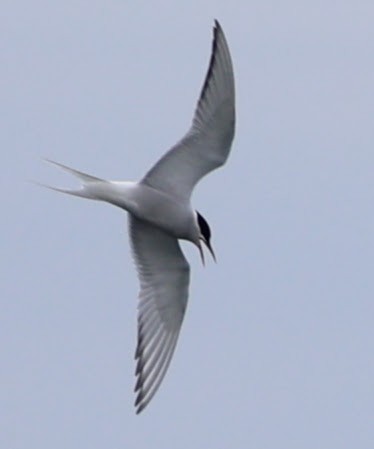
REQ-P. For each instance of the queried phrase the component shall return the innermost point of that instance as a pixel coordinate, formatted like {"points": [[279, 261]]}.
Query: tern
{"points": [[160, 214]]}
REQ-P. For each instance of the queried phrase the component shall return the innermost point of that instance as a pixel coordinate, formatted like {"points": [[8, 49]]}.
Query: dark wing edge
{"points": [[219, 57]]}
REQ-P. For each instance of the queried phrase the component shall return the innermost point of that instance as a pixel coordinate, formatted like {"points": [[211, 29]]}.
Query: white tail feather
{"points": [[88, 187]]}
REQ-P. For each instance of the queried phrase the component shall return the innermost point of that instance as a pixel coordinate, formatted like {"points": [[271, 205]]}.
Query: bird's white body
{"points": [[160, 213], [158, 208]]}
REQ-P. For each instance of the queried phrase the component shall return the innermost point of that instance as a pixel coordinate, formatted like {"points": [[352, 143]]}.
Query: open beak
{"points": [[208, 245], [200, 246]]}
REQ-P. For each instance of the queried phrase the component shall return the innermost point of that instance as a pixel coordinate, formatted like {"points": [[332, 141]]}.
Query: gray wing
{"points": [[207, 144], [164, 275]]}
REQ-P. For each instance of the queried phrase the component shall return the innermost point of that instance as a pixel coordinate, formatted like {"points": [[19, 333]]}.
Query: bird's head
{"points": [[204, 236]]}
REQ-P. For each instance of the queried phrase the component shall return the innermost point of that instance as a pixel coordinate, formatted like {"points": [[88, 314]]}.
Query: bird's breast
{"points": [[166, 212]]}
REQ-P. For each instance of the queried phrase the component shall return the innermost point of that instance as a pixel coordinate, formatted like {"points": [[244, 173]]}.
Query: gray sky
{"points": [[276, 350]]}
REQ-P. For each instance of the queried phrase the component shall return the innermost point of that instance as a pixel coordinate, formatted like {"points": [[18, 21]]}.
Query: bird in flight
{"points": [[160, 213]]}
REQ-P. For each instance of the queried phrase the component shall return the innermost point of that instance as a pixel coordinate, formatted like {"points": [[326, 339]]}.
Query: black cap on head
{"points": [[205, 232], [204, 227]]}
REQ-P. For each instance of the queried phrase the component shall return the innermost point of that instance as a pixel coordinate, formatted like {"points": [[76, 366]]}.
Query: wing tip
{"points": [[212, 60]]}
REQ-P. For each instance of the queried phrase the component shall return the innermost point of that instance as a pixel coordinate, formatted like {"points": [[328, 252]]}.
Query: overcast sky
{"points": [[277, 346]]}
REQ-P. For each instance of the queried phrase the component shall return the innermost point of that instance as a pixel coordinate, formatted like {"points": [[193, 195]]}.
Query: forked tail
{"points": [[90, 185]]}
